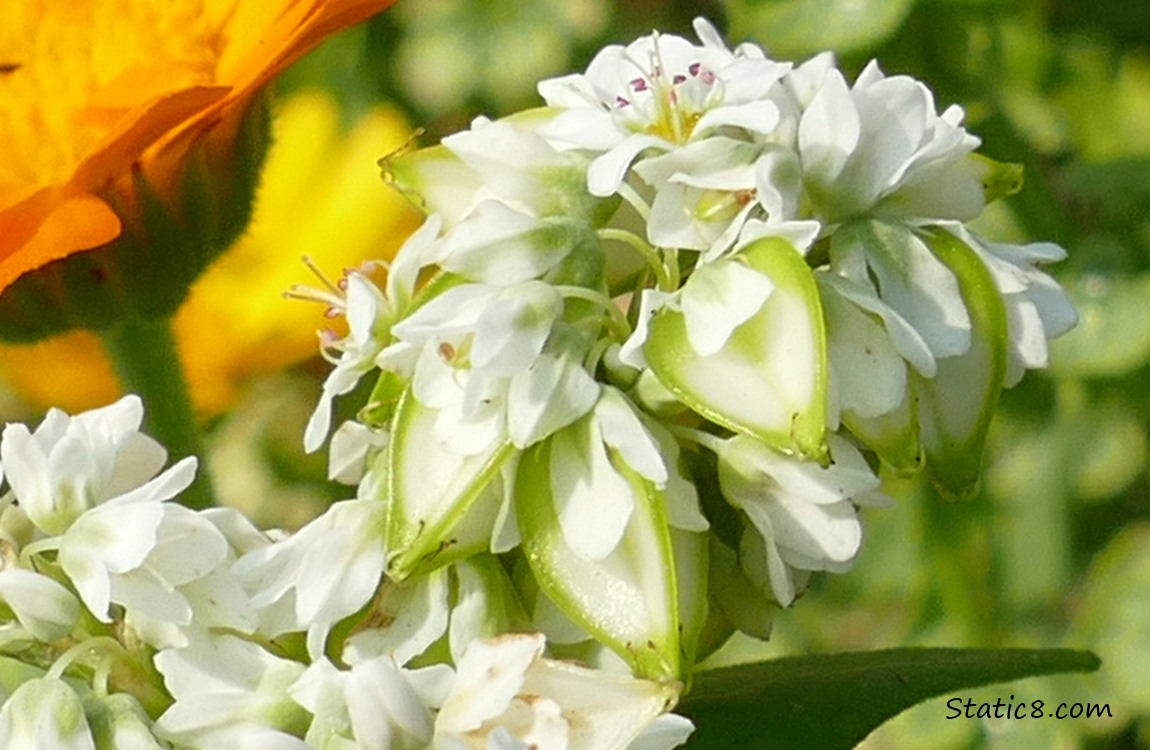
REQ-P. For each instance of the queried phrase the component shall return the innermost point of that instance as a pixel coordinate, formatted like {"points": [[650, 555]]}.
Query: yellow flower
{"points": [[97, 93], [321, 196]]}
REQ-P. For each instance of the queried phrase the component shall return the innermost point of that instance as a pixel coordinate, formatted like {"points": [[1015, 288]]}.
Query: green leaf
{"points": [[833, 701], [769, 380], [798, 28]]}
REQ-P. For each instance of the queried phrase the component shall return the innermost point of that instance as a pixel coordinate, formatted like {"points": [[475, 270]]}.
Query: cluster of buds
{"points": [[633, 380]]}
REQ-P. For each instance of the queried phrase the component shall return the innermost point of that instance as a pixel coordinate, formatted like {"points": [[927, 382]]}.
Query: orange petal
{"points": [[46, 228], [297, 31], [140, 130]]}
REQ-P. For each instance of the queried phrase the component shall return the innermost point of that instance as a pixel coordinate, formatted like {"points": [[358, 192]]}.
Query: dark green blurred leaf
{"points": [[831, 701], [1116, 191], [798, 28]]}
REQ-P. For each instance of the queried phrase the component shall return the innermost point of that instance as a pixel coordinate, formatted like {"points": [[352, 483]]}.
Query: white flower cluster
{"points": [[130, 621], [654, 339], [631, 383]]}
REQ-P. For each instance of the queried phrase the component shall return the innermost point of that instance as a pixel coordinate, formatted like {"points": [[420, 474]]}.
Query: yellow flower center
{"points": [[70, 70], [674, 123]]}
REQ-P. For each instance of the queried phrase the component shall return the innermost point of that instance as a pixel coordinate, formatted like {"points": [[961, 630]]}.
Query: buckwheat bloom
{"points": [[743, 343], [230, 693], [376, 705], [506, 161], [119, 722], [879, 148], [594, 499], [136, 550], [324, 572], [896, 275], [367, 335], [69, 465], [351, 445], [496, 362], [370, 313], [44, 713], [506, 695], [43, 607], [1037, 308], [659, 92], [804, 513], [704, 193]]}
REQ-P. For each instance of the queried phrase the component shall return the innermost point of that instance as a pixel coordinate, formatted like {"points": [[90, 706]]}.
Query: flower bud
{"points": [[44, 713]]}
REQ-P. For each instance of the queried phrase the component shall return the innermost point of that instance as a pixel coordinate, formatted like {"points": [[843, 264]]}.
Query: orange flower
{"points": [[320, 195], [97, 93]]}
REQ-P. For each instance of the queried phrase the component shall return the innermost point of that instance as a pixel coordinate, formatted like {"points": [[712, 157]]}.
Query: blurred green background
{"points": [[1055, 551]]}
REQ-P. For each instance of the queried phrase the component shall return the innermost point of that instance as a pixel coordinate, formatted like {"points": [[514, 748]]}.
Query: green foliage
{"points": [[833, 701], [799, 28]]}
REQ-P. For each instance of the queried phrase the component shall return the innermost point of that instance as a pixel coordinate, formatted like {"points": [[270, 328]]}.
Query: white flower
{"points": [[716, 299], [46, 609], [868, 349], [136, 550], [376, 705], [921, 303], [71, 464], [496, 362], [324, 572], [350, 446], [804, 513], [501, 244], [1037, 308], [880, 148], [659, 92], [708, 192], [369, 316], [411, 616], [593, 499], [366, 338], [230, 693], [505, 162], [506, 695], [217, 599], [719, 295], [44, 713], [522, 169], [703, 193]]}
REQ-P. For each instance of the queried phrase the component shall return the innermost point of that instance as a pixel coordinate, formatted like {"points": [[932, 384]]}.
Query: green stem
{"points": [[650, 254], [616, 320], [146, 360]]}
